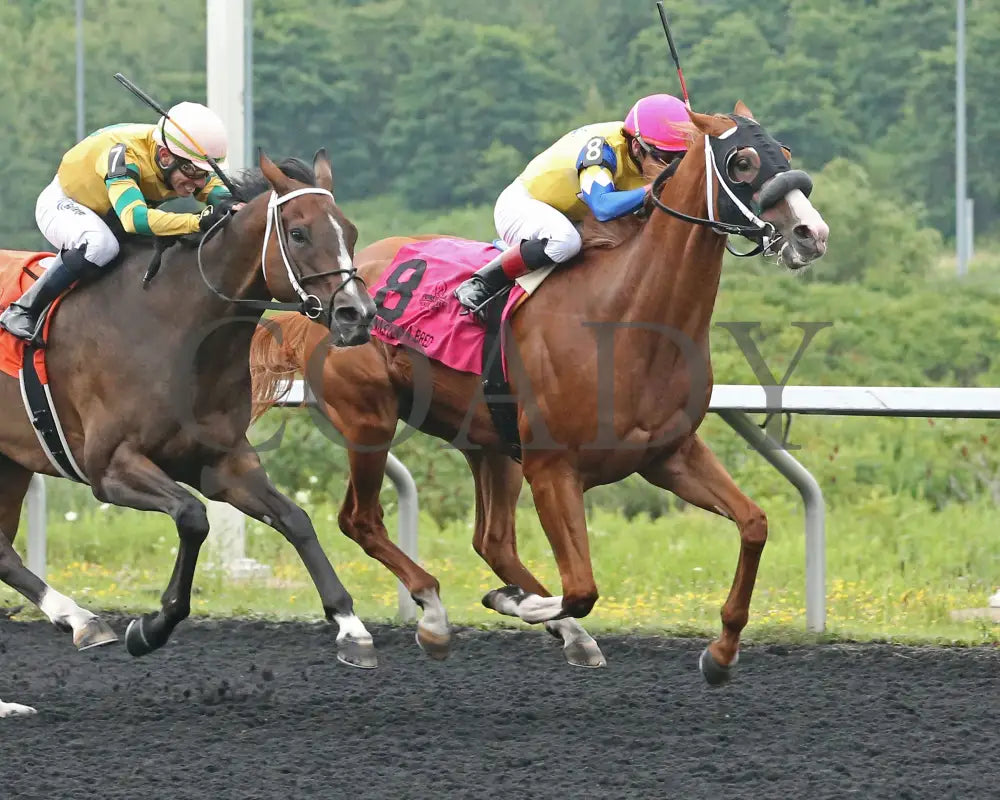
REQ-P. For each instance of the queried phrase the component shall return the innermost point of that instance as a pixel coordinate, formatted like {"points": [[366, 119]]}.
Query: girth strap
{"points": [[42, 413], [496, 389]]}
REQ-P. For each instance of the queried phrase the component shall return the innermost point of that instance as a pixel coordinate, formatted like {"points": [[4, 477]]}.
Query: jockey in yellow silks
{"points": [[595, 169], [128, 169]]}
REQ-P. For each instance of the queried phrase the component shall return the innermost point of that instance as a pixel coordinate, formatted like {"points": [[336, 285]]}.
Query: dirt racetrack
{"points": [[250, 710]]}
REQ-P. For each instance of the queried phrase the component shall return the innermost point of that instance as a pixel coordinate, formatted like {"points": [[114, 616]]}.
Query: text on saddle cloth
{"points": [[417, 309]]}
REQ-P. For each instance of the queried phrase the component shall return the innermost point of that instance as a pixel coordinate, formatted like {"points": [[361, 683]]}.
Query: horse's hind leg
{"points": [[361, 519], [130, 479], [88, 630], [695, 475], [498, 484], [239, 479]]}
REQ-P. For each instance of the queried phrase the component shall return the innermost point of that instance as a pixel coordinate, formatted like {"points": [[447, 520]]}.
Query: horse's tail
{"points": [[276, 355]]}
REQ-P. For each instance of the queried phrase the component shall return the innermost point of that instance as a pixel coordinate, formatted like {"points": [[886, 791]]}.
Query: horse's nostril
{"points": [[812, 234], [346, 315], [811, 238]]}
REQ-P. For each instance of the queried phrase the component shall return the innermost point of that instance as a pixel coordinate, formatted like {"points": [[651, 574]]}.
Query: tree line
{"points": [[440, 103]]}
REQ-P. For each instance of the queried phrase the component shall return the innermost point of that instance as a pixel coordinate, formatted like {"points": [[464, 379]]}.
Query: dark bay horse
{"points": [[612, 377], [152, 386]]}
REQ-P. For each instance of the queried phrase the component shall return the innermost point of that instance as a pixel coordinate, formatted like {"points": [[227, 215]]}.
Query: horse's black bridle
{"points": [[773, 181]]}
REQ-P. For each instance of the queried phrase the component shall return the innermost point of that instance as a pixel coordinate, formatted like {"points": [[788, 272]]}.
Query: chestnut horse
{"points": [[588, 412], [152, 387]]}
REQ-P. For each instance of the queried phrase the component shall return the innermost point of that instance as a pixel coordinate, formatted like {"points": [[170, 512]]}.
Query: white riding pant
{"points": [[519, 216], [68, 225]]}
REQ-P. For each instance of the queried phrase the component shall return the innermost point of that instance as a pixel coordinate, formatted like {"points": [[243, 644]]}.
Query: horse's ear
{"points": [[742, 110], [711, 124], [279, 181], [323, 170]]}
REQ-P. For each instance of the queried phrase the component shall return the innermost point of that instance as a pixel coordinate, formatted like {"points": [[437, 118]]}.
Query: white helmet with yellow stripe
{"points": [[192, 132]]}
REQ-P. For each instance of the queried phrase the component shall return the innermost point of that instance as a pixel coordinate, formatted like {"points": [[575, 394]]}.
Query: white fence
{"points": [[733, 403]]}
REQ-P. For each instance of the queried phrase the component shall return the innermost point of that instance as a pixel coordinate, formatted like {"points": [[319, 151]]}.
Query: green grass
{"points": [[895, 570]]}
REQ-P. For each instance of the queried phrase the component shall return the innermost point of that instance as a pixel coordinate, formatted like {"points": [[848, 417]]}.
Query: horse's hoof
{"points": [[585, 654], [135, 639], [95, 633], [357, 654], [435, 645], [715, 673]]}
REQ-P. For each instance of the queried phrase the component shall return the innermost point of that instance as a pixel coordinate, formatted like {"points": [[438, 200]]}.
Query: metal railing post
{"points": [[812, 497], [36, 526], [406, 490]]}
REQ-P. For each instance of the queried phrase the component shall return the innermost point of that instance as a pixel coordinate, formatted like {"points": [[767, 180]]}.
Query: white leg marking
{"points": [[15, 710], [534, 608], [62, 610], [435, 618], [504, 604], [581, 648], [351, 627], [570, 630]]}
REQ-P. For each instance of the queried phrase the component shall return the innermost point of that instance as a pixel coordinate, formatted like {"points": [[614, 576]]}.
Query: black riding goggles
{"points": [[663, 156], [189, 170]]}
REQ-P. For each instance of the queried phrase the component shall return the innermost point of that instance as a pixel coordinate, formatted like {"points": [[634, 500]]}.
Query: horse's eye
{"points": [[298, 235], [743, 166]]}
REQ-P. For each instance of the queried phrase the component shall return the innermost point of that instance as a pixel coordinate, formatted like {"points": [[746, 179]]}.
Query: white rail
{"points": [[734, 402]]}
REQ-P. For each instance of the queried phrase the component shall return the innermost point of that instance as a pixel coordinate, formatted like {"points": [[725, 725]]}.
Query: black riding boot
{"points": [[492, 278], [21, 316]]}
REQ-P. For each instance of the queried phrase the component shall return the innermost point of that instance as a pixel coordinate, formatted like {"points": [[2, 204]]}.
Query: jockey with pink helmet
{"points": [[656, 123], [597, 169], [123, 171]]}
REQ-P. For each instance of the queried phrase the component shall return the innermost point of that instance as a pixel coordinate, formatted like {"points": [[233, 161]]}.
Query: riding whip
{"points": [[673, 52], [149, 101]]}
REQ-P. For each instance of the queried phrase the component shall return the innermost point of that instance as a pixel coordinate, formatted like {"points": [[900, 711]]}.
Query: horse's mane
{"points": [[611, 233], [251, 182]]}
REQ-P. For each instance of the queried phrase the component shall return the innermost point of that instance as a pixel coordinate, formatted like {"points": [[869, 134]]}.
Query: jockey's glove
{"points": [[213, 214]]}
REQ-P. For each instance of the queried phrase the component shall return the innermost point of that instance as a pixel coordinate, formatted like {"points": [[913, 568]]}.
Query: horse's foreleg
{"points": [[240, 480], [88, 630], [498, 484], [695, 475], [130, 479], [361, 519], [558, 494]]}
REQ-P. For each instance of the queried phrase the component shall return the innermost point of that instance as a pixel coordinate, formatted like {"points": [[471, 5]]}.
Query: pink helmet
{"points": [[191, 127], [655, 120]]}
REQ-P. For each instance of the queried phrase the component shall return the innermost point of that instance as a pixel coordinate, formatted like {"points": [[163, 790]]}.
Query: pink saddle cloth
{"points": [[417, 307]]}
